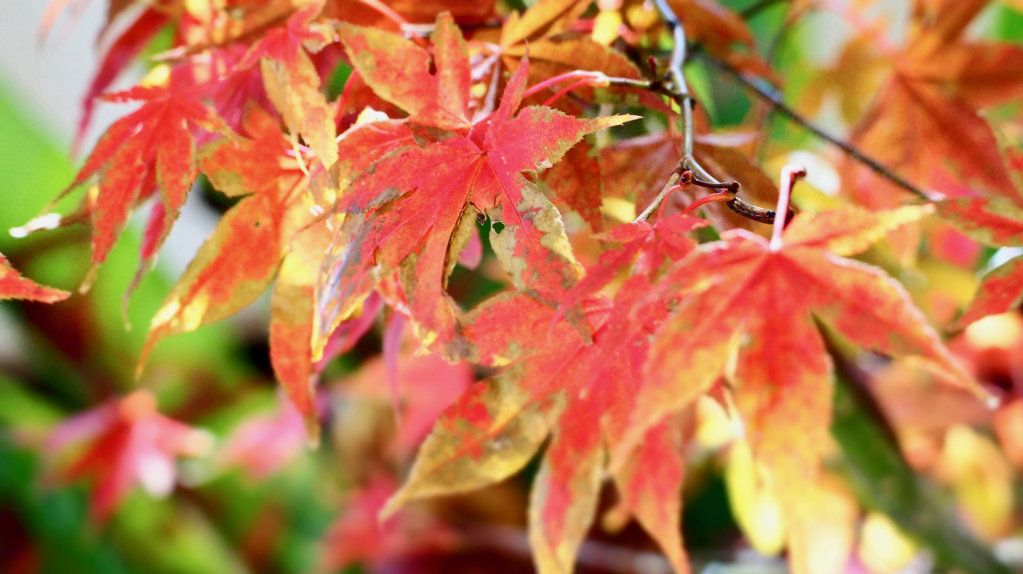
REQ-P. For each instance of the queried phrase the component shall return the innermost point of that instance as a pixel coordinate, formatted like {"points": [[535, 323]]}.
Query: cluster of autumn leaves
{"points": [[611, 328]]}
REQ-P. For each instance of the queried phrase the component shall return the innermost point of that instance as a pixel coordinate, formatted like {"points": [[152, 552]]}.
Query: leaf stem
{"points": [[675, 72], [564, 91], [717, 197], [555, 80], [789, 174], [585, 77]]}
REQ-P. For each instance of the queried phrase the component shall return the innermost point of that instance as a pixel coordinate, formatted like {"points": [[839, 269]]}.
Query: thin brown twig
{"points": [[790, 18], [678, 90], [781, 107]]}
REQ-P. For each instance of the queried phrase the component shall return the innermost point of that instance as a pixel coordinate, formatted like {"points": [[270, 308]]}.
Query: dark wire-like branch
{"points": [[678, 90], [781, 107]]}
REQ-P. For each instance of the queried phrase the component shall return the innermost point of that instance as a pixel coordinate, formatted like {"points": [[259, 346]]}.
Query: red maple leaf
{"points": [[265, 444], [122, 52], [924, 122], [399, 71], [125, 442], [149, 149], [357, 537], [555, 383], [425, 386], [14, 286], [270, 233], [665, 239], [292, 81], [414, 210]]}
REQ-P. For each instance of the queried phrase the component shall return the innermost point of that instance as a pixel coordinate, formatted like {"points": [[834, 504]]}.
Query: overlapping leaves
{"points": [[413, 211], [344, 210]]}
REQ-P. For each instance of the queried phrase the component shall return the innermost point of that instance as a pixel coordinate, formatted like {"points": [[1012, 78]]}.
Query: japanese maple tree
{"points": [[376, 161]]}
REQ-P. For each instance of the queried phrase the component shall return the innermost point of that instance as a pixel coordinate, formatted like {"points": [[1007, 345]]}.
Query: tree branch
{"points": [[781, 107], [678, 90]]}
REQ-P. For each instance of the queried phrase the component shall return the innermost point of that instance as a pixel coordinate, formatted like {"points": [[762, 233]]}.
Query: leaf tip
{"points": [[611, 121], [312, 431], [90, 278], [393, 505]]}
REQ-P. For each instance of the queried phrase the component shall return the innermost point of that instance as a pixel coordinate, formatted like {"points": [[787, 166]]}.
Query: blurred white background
{"points": [[49, 78]]}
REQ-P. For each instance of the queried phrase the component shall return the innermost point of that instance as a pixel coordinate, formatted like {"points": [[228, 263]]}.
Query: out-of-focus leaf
{"points": [[884, 482]]}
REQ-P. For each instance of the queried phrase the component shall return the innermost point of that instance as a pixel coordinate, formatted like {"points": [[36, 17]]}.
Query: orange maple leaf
{"points": [[753, 301], [581, 394], [924, 123], [151, 148]]}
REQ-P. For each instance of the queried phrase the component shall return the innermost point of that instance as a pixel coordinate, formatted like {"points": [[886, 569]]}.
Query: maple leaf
{"points": [[292, 81], [126, 441], [991, 221], [216, 285], [649, 485], [14, 286], [298, 347], [665, 239], [753, 301], [924, 123], [433, 89], [543, 33], [155, 146], [278, 234], [232, 268], [579, 392], [412, 210], [150, 148]]}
